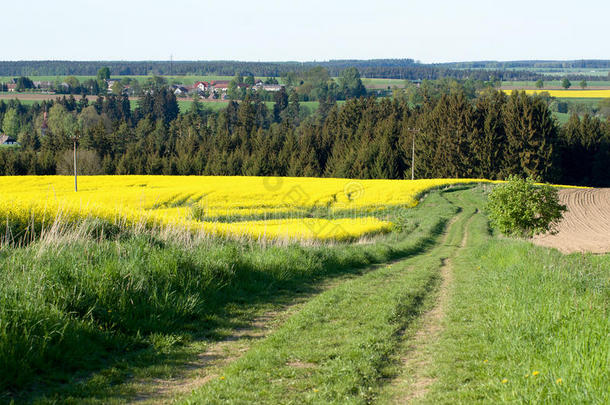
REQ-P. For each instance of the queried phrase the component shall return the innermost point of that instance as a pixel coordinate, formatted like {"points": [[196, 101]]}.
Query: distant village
{"points": [[206, 90]]}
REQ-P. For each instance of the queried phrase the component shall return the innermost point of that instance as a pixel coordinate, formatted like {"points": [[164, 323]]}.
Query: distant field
{"points": [[581, 94], [589, 101], [184, 104], [554, 84], [562, 117], [559, 71], [373, 83]]}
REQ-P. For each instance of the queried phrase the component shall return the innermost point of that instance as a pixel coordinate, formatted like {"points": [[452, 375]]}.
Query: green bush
{"points": [[522, 208]]}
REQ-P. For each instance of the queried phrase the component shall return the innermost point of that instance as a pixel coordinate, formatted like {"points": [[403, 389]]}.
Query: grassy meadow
{"points": [[94, 316]]}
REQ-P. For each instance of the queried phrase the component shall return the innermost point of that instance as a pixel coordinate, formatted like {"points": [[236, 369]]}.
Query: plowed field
{"points": [[585, 226]]}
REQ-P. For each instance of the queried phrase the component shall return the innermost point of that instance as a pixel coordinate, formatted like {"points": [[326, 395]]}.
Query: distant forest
{"points": [[407, 69], [483, 135], [531, 64]]}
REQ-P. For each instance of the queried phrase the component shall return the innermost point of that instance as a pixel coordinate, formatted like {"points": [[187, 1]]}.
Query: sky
{"points": [[274, 30]]}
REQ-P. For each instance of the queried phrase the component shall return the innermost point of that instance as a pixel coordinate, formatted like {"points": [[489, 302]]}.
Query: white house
{"points": [[272, 87], [7, 140], [202, 86], [180, 90]]}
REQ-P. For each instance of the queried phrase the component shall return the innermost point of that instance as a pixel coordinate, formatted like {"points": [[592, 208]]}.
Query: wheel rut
{"points": [[414, 382], [209, 364], [219, 354]]}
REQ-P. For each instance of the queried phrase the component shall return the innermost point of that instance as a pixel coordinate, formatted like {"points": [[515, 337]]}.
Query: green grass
{"points": [[518, 309], [335, 349], [383, 83], [77, 304], [562, 118], [90, 320], [25, 102]]}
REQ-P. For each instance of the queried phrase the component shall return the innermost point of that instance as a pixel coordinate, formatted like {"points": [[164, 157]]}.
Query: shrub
{"points": [[522, 208]]}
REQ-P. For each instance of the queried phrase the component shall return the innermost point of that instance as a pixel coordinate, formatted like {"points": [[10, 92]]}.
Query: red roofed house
{"points": [[202, 86], [221, 84]]}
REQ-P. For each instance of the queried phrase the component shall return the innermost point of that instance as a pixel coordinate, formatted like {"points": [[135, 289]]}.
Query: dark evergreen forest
{"points": [[489, 136]]}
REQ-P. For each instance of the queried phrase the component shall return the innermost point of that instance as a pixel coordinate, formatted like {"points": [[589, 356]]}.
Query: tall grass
{"points": [[67, 301], [526, 325]]}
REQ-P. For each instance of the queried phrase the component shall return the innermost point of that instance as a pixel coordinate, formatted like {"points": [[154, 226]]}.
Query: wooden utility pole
{"points": [[75, 136], [75, 176], [412, 159], [413, 132]]}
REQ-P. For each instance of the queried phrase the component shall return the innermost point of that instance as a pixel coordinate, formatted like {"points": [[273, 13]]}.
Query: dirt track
{"points": [[585, 226]]}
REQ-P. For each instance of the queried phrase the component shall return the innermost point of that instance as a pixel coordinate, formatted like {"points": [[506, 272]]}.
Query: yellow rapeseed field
{"points": [[569, 93], [256, 207]]}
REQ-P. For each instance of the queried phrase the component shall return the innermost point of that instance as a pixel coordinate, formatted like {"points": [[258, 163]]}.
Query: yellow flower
{"points": [[485, 361], [535, 373], [504, 381], [222, 378], [169, 201], [527, 375], [559, 381], [315, 390]]}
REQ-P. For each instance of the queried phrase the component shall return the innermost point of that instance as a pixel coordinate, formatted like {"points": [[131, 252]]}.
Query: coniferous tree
{"points": [[530, 132]]}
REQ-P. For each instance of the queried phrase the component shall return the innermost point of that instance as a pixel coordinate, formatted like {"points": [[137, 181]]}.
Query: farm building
{"points": [[259, 85], [7, 140], [43, 85], [272, 87], [180, 90], [221, 85], [201, 86]]}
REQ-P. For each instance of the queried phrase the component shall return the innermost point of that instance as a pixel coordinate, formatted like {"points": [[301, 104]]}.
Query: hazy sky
{"points": [[274, 30]]}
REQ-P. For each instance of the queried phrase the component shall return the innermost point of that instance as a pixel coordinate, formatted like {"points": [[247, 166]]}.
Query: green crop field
{"points": [[383, 83], [562, 118]]}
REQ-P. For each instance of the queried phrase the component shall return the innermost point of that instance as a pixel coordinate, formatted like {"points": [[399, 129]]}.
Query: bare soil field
{"points": [[585, 226]]}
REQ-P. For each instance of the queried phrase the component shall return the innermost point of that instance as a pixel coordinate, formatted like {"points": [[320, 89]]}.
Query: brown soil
{"points": [[585, 227]]}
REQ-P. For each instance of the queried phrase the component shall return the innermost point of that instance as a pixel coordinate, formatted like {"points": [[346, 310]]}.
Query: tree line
{"points": [[489, 136], [407, 69]]}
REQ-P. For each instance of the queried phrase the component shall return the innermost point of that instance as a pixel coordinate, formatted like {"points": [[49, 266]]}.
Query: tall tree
{"points": [[350, 84], [530, 132], [11, 123], [103, 73]]}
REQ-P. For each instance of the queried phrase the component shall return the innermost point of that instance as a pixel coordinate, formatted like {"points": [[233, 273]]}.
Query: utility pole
{"points": [[75, 137], [75, 178], [412, 159], [413, 132]]}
